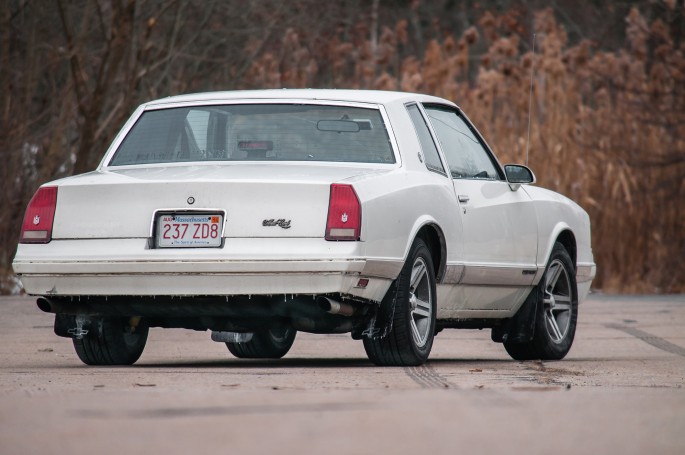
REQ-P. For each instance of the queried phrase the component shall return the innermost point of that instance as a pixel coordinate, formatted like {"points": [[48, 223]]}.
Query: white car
{"points": [[256, 214]]}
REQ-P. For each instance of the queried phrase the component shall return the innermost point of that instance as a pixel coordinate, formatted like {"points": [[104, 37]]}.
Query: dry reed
{"points": [[608, 128]]}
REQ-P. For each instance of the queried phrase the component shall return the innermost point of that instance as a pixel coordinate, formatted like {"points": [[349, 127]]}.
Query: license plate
{"points": [[189, 230]]}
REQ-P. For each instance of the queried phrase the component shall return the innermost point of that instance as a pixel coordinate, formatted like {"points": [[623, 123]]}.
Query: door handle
{"points": [[464, 198]]}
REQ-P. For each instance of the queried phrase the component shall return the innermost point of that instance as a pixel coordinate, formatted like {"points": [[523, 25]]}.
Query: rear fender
{"points": [[381, 324], [440, 257]]}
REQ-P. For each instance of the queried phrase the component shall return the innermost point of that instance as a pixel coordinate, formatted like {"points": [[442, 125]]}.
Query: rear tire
{"points": [[265, 344], [410, 340], [112, 341], [556, 315]]}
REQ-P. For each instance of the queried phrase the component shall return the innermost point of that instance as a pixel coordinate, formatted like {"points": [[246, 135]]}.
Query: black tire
{"points": [[265, 344], [112, 341], [557, 312], [410, 340]]}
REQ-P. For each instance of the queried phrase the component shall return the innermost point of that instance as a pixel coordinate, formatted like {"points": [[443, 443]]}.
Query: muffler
{"points": [[232, 337]]}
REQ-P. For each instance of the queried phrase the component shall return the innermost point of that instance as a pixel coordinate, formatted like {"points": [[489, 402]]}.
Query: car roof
{"points": [[357, 96]]}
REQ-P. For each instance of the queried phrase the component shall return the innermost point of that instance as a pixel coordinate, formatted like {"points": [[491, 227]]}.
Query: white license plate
{"points": [[189, 230]]}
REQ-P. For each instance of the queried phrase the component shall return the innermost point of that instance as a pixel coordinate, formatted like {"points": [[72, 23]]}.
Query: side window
{"points": [[430, 152], [466, 156]]}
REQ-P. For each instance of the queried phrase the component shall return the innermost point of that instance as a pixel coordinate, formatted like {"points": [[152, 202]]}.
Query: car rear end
{"points": [[215, 199]]}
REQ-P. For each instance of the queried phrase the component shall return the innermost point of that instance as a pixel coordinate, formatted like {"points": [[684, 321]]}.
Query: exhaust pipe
{"points": [[335, 307], [60, 306], [44, 305]]}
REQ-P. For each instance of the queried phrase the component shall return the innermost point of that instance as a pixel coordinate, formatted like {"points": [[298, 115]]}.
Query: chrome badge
{"points": [[285, 224]]}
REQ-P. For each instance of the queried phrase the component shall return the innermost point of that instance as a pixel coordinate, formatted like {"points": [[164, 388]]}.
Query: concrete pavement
{"points": [[620, 390]]}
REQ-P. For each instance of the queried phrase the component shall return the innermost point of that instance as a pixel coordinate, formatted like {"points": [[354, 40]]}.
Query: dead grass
{"points": [[608, 128]]}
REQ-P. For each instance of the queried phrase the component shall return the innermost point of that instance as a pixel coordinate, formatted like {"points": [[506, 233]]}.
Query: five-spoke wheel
{"points": [[413, 303], [557, 312], [420, 302], [557, 301]]}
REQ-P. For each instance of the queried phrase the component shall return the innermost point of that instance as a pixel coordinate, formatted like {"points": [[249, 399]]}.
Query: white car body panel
{"points": [[557, 214], [121, 203], [499, 248], [500, 225], [496, 245]]}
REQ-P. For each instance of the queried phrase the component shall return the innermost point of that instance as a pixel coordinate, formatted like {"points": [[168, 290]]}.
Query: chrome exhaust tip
{"points": [[334, 307], [44, 305]]}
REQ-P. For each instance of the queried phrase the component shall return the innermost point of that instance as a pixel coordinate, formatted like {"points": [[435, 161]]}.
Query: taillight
{"points": [[344, 214], [40, 214]]}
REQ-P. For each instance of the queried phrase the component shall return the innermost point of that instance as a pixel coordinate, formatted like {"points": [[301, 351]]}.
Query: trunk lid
{"points": [[122, 203]]}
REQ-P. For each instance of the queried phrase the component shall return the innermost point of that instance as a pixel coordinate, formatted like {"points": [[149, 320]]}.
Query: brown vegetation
{"points": [[608, 115]]}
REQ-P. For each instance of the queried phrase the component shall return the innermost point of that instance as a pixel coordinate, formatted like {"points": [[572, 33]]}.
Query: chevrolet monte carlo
{"points": [[258, 214]]}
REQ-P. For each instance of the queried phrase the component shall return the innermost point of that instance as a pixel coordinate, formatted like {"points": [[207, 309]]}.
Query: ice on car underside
{"points": [[260, 200]]}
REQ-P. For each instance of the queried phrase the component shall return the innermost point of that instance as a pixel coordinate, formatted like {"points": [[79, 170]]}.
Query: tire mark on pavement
{"points": [[427, 377], [650, 339], [184, 412]]}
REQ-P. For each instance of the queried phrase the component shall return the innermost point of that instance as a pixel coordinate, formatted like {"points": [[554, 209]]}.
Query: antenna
{"points": [[530, 97]]}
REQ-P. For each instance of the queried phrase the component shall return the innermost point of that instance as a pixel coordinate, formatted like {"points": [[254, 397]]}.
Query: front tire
{"points": [[112, 341], [265, 344], [557, 314], [410, 340]]}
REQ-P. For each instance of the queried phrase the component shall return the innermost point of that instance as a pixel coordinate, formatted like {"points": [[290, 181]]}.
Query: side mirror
{"points": [[517, 175]]}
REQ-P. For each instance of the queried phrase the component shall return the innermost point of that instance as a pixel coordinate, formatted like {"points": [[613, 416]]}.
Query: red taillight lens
{"points": [[344, 214], [40, 214]]}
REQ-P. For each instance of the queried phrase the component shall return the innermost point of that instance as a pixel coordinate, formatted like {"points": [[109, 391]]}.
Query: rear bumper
{"points": [[585, 273], [152, 284], [241, 267]]}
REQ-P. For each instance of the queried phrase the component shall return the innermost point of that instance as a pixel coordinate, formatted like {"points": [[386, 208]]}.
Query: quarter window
{"points": [[466, 156], [430, 151]]}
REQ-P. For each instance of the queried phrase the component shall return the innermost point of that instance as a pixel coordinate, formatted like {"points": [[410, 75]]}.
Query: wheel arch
{"points": [[434, 238], [568, 240], [563, 234]]}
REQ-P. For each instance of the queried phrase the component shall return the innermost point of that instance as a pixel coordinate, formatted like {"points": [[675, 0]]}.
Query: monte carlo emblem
{"points": [[285, 224]]}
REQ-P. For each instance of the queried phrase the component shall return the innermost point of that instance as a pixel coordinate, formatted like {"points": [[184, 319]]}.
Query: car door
{"points": [[499, 224]]}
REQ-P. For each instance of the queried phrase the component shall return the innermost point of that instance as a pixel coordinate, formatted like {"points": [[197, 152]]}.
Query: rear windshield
{"points": [[250, 132]]}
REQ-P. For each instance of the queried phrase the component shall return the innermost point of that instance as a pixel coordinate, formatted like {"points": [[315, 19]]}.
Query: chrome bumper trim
{"points": [[585, 272]]}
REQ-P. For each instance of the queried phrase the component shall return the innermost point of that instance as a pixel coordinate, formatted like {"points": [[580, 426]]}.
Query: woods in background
{"points": [[608, 112]]}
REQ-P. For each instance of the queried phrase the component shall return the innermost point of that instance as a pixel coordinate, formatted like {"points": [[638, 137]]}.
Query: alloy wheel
{"points": [[420, 302], [557, 301]]}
